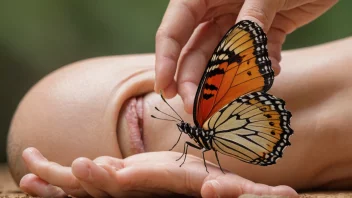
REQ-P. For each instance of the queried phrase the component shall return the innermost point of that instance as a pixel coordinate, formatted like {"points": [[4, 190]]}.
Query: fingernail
{"points": [[32, 154], [28, 151], [81, 170]]}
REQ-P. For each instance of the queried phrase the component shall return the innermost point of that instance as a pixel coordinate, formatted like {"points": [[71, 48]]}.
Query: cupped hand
{"points": [[143, 175], [190, 30]]}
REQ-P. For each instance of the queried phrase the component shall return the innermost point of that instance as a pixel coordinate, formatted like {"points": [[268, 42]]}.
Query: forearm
{"points": [[316, 84]]}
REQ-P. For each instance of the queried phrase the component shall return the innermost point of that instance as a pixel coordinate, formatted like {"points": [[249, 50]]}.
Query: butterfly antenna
{"points": [[167, 114], [163, 119], [161, 93]]}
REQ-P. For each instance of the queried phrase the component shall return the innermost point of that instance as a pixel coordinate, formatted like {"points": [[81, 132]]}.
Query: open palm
{"points": [[150, 174]]}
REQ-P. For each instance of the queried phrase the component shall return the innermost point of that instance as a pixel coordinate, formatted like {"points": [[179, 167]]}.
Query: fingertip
{"points": [[36, 187], [80, 168], [275, 65], [208, 189], [25, 180], [27, 191], [165, 69], [25, 183], [156, 89], [28, 151], [188, 103], [171, 90], [187, 91], [261, 12], [31, 155], [285, 190]]}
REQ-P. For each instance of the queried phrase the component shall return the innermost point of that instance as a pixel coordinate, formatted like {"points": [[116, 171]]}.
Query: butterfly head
{"points": [[184, 127]]}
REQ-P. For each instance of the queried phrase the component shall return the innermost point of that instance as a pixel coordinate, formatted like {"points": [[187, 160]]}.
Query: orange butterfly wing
{"points": [[239, 65]]}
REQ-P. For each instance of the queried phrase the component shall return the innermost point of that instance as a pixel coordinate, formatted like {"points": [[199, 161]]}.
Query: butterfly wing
{"points": [[254, 128], [239, 65]]}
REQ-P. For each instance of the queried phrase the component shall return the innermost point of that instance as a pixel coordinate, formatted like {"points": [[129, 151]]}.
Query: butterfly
{"points": [[233, 113]]}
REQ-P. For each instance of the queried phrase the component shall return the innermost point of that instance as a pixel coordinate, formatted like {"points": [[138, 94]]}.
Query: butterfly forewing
{"points": [[232, 112], [239, 65], [254, 128]]}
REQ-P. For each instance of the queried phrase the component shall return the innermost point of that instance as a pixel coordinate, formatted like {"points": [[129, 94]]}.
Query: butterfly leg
{"points": [[185, 151], [217, 159], [205, 164], [176, 142]]}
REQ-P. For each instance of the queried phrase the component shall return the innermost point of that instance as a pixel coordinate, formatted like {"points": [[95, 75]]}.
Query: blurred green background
{"points": [[39, 36]]}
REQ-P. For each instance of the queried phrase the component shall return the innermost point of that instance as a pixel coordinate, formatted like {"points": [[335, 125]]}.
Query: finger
{"points": [[35, 186], [261, 12], [180, 19], [114, 187], [231, 185], [114, 163], [302, 12], [276, 38], [93, 179], [171, 90], [99, 177], [151, 178], [51, 172], [288, 5], [194, 59]]}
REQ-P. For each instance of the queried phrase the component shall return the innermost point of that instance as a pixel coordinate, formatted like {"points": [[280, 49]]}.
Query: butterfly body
{"points": [[202, 137], [232, 112]]}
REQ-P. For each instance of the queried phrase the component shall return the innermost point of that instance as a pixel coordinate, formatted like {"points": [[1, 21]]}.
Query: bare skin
{"points": [[190, 30], [78, 119]]}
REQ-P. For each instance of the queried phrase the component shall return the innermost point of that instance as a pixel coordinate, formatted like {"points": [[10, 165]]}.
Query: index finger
{"points": [[50, 172], [177, 26]]}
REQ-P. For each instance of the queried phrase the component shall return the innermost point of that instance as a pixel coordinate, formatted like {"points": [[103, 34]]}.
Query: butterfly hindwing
{"points": [[232, 112], [239, 65], [254, 128]]}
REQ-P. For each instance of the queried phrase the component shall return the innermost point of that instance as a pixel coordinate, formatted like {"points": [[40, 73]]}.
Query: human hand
{"points": [[190, 30], [142, 175]]}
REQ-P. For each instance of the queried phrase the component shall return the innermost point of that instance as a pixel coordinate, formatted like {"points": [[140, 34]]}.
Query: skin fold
{"points": [[80, 119]]}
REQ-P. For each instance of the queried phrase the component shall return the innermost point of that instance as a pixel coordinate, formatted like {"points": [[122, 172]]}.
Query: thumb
{"points": [[260, 11], [232, 185]]}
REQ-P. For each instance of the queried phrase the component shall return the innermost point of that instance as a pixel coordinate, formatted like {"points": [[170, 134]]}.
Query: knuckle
{"points": [[189, 184], [192, 7], [49, 169], [73, 184], [174, 46], [163, 33], [160, 33]]}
